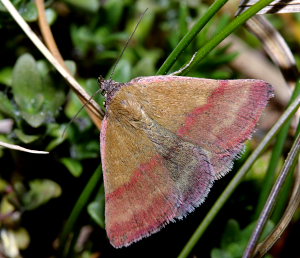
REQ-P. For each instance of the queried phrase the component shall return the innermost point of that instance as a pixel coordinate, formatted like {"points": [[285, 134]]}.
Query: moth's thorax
{"points": [[127, 106]]}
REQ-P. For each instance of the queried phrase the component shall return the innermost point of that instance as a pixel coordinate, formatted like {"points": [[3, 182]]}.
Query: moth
{"points": [[165, 140]]}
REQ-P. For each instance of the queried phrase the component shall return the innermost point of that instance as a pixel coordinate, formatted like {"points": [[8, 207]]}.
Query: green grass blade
{"points": [[236, 23], [186, 40], [78, 207]]}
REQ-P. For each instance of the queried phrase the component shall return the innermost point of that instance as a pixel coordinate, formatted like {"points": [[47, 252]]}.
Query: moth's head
{"points": [[108, 87]]}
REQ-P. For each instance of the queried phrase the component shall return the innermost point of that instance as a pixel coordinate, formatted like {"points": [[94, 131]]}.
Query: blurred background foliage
{"points": [[39, 192]]}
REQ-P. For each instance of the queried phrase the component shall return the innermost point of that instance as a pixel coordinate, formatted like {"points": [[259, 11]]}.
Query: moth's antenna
{"points": [[126, 44], [77, 113]]}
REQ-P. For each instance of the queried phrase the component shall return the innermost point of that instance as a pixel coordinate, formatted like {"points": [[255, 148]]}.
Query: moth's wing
{"points": [[161, 170], [151, 177], [218, 115]]}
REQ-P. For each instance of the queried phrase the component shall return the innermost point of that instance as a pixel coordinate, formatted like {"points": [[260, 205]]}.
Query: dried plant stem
{"points": [[275, 46], [266, 245], [47, 34], [292, 157], [50, 42], [19, 148]]}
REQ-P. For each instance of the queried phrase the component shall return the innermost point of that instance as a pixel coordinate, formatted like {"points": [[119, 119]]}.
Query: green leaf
{"points": [[89, 5], [92, 86], [3, 185], [27, 89], [97, 207], [146, 66], [35, 120], [5, 76], [6, 206], [29, 12], [183, 18], [6, 106], [73, 105], [4, 138], [56, 131], [86, 151], [218, 253], [234, 240], [14, 2], [71, 66], [231, 233], [235, 249], [40, 192], [123, 72], [53, 91], [114, 9], [51, 15], [22, 238], [24, 137], [74, 166], [259, 168]]}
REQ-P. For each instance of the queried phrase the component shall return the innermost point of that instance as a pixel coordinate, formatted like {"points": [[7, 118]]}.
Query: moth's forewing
{"points": [[164, 140]]}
